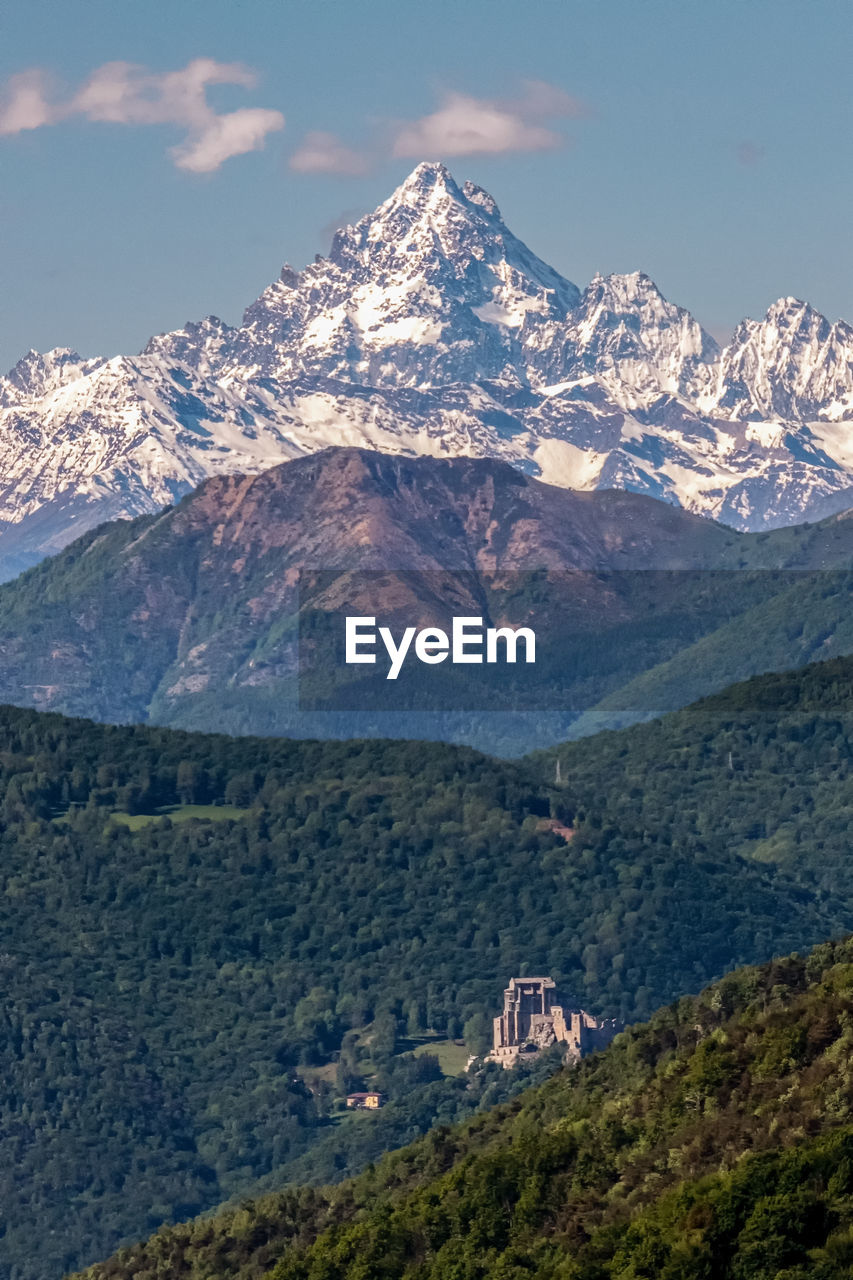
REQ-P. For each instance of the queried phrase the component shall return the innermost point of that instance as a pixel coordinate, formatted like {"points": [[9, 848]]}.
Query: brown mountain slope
{"points": [[191, 617], [351, 507], [200, 596]]}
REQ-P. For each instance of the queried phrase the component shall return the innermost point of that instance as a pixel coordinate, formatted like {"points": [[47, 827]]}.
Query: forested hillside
{"points": [[175, 985], [207, 940], [717, 1140], [763, 770]]}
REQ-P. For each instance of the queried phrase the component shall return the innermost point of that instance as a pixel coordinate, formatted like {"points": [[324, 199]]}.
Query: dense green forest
{"points": [[715, 1141], [170, 986], [763, 769], [206, 941]]}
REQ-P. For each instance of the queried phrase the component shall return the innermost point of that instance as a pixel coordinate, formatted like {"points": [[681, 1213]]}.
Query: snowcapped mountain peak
{"points": [[633, 295], [636, 294], [625, 285], [431, 287], [787, 306], [428, 177], [429, 218], [38, 373], [792, 315], [793, 365], [626, 333], [205, 344], [427, 204], [477, 195], [431, 328]]}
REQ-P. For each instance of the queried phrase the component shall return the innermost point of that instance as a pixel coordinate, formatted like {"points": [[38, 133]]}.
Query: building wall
{"points": [[533, 1018]]}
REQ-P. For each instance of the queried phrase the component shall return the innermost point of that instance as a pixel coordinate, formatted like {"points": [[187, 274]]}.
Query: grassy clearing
{"points": [[180, 813], [452, 1056], [311, 1075]]}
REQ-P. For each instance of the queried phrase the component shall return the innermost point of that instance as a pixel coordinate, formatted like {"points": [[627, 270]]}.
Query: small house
{"points": [[370, 1101]]}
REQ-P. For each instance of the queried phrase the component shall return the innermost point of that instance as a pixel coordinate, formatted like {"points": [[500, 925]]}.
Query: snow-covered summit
{"points": [[792, 365], [431, 328], [430, 288], [38, 373], [624, 332]]}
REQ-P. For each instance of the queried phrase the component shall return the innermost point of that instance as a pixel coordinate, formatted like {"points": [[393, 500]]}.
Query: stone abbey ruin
{"points": [[534, 1018]]}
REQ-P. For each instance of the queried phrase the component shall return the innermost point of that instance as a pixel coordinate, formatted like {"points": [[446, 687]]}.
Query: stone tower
{"points": [[534, 1017]]}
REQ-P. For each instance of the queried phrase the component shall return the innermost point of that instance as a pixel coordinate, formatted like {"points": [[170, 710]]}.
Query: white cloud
{"points": [[464, 125], [26, 105], [124, 93], [225, 136], [325, 153]]}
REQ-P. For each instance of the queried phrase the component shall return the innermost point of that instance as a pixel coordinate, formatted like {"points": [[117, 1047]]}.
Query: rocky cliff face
{"points": [[431, 329]]}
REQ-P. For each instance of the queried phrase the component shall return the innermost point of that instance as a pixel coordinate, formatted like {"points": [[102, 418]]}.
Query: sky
{"points": [[160, 163]]}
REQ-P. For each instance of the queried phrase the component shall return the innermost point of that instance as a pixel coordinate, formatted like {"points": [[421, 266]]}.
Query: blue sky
{"points": [[708, 144]]}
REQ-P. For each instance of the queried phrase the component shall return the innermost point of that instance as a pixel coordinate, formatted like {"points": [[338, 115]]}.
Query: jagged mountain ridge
{"points": [[431, 329]]}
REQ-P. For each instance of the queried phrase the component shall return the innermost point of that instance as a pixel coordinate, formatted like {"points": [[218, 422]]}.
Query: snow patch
{"points": [[567, 465]]}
